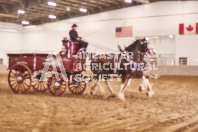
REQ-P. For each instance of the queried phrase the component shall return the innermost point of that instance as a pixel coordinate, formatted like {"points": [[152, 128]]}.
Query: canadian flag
{"points": [[188, 28]]}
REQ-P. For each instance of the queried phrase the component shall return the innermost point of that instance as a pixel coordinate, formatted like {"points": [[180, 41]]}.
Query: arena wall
{"points": [[155, 19], [147, 20], [11, 39], [176, 70]]}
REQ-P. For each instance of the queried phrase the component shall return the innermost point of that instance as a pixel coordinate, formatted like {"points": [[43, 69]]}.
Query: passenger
{"points": [[75, 38]]}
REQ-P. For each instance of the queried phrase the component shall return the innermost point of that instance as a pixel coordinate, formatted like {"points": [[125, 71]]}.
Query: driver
{"points": [[74, 37]]}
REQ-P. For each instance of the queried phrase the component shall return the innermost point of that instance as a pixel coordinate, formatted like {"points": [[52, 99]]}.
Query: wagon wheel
{"points": [[19, 78], [56, 87], [77, 86], [38, 85]]}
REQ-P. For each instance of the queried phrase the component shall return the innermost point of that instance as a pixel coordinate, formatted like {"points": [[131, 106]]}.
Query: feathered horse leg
{"points": [[143, 85], [109, 87], [124, 84], [146, 86], [96, 85]]}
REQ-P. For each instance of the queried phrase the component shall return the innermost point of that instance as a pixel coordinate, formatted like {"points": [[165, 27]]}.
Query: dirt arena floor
{"points": [[174, 107]]}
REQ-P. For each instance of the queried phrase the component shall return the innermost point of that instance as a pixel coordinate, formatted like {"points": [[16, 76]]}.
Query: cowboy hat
{"points": [[74, 25]]}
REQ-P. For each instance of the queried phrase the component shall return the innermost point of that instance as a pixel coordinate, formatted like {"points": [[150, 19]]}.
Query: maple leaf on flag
{"points": [[189, 28]]}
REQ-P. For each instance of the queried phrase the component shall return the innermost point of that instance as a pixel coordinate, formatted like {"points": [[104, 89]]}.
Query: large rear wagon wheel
{"points": [[39, 85], [56, 87], [19, 78]]}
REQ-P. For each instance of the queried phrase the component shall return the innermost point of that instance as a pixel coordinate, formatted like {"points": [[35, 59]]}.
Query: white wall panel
{"points": [[187, 46], [10, 39], [155, 19]]}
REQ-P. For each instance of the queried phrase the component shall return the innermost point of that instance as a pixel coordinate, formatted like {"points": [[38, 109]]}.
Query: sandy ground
{"points": [[174, 107]]}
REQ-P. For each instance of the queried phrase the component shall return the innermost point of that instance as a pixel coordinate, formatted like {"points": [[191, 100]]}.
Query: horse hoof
{"points": [[87, 95], [113, 95], [140, 89], [150, 94], [110, 96], [91, 92], [121, 97]]}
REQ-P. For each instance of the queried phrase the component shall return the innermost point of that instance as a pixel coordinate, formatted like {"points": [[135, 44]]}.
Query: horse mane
{"points": [[132, 46]]}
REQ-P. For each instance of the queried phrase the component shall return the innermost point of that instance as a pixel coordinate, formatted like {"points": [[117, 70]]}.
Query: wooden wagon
{"points": [[27, 69]]}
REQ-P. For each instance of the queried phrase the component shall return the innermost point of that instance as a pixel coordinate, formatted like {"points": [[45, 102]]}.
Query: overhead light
{"points": [[83, 10], [21, 12], [171, 36], [128, 1], [25, 22], [147, 38], [51, 3], [52, 16]]}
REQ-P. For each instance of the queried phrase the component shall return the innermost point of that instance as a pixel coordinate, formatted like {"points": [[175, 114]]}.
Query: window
{"points": [[183, 61]]}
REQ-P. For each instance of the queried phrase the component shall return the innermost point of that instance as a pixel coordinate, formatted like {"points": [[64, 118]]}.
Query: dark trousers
{"points": [[83, 44]]}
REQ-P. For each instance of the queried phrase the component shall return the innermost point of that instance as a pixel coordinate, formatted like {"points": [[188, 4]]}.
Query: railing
{"points": [[193, 62], [170, 60], [162, 59]]}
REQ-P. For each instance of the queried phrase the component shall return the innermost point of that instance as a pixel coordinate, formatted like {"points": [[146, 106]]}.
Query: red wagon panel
{"points": [[37, 61], [33, 60]]}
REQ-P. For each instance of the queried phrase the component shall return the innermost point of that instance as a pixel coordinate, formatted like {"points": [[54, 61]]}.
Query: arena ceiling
{"points": [[38, 11]]}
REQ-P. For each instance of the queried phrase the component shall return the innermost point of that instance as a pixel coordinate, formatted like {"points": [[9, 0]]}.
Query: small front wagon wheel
{"points": [[19, 78], [39, 85], [56, 87], [77, 87]]}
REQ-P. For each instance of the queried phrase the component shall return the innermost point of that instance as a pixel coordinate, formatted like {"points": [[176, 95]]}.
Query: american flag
{"points": [[124, 32]]}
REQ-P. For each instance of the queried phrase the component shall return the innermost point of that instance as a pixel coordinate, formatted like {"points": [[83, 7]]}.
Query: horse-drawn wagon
{"points": [[27, 70]]}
